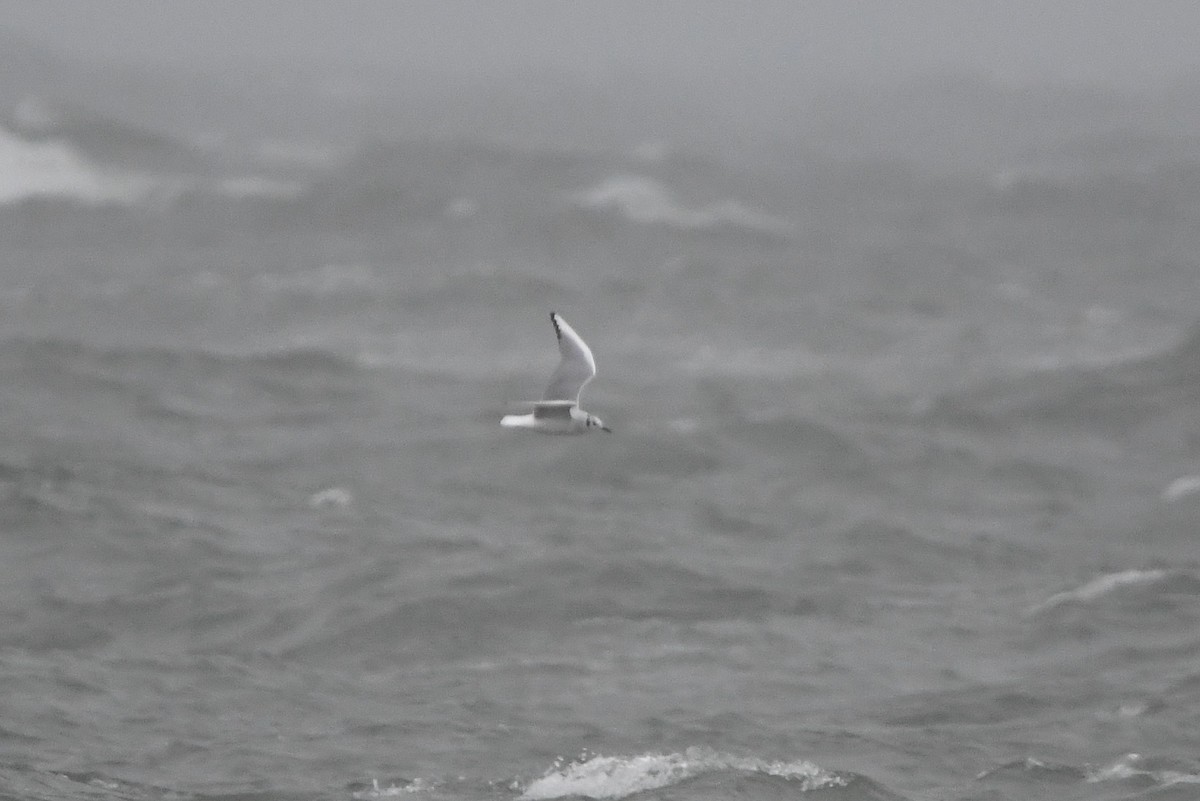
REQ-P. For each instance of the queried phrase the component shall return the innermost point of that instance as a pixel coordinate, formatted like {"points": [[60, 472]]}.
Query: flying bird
{"points": [[558, 411]]}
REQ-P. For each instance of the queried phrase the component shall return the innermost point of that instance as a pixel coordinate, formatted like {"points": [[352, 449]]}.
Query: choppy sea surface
{"points": [[902, 503]]}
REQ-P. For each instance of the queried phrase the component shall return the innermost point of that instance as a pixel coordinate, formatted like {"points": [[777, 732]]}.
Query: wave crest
{"points": [[1161, 772], [643, 200], [53, 168], [619, 777], [1144, 585]]}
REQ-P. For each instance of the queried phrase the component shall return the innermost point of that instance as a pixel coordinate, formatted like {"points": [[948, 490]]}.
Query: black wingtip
{"points": [[554, 322]]}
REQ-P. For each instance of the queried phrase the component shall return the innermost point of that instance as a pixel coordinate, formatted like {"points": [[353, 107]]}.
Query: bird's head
{"points": [[595, 422]]}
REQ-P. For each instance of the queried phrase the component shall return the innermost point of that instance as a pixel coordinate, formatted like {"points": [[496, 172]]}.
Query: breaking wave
{"points": [[645, 201], [55, 169], [1138, 585], [1135, 767], [619, 777], [77, 156]]}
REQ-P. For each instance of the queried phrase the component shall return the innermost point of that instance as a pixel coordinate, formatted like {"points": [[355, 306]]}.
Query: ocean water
{"points": [[902, 503]]}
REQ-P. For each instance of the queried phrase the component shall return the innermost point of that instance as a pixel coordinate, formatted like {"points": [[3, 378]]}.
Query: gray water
{"points": [[901, 504]]}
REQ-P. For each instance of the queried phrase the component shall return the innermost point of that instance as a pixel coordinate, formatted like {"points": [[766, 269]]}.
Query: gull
{"points": [[558, 411]]}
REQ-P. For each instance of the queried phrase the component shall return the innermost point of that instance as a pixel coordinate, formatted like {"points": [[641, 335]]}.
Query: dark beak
{"points": [[606, 428]]}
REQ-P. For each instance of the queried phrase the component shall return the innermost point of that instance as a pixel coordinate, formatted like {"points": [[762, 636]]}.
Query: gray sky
{"points": [[805, 44]]}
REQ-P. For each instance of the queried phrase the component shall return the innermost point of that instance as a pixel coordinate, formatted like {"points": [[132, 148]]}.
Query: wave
{"points": [[883, 549], [427, 182], [485, 286], [83, 157], [1140, 588], [688, 448], [1142, 770], [102, 139], [1183, 360], [326, 279], [74, 355], [627, 463], [178, 384], [1145, 778], [492, 604], [808, 448], [977, 705], [1035, 769], [38, 784], [602, 777], [56, 169], [73, 155], [466, 184], [753, 362], [1176, 518], [696, 773], [393, 788], [1181, 488], [645, 201], [1116, 398]]}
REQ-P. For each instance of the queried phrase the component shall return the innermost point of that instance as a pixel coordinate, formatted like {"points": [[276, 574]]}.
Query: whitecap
{"points": [[604, 777], [1101, 586], [53, 168], [1132, 766], [394, 790], [331, 498], [1181, 488], [646, 201]]}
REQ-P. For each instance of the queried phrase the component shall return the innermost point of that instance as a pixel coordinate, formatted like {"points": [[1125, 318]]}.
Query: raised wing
{"points": [[577, 366]]}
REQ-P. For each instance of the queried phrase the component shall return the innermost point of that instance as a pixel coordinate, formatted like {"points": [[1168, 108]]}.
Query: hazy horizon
{"points": [[726, 46]]}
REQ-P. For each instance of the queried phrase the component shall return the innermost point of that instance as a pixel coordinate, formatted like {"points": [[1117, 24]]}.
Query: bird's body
{"points": [[558, 411], [550, 418]]}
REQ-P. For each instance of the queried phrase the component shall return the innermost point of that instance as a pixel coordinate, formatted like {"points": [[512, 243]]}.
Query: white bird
{"points": [[558, 411]]}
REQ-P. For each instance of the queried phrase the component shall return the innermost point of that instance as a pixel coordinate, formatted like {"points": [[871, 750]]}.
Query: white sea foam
{"points": [[331, 498], [1102, 586], [394, 790], [619, 777], [52, 168], [1132, 766], [644, 200], [1181, 488]]}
